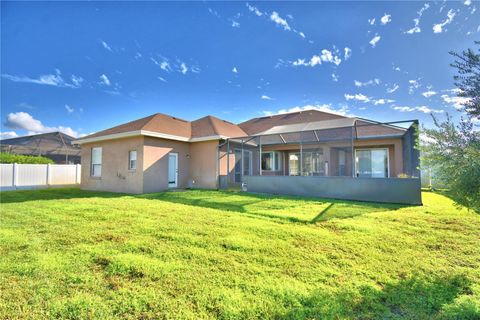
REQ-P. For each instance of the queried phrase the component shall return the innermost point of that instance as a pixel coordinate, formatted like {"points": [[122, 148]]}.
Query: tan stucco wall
{"points": [[155, 163], [203, 164], [115, 174]]}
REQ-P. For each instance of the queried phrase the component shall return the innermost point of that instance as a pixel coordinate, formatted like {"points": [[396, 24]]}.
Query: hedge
{"points": [[18, 158]]}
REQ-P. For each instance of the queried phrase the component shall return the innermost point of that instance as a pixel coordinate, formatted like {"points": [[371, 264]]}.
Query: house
{"points": [[310, 152], [54, 145]]}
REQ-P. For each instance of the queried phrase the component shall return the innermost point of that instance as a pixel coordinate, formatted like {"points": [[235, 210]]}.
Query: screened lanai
{"points": [[347, 147]]}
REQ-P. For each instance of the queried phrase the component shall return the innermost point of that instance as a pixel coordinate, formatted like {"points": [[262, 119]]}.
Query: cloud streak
{"points": [[55, 80]]}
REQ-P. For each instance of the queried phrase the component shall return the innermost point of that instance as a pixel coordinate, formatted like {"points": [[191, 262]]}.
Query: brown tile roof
{"points": [[212, 126], [161, 123], [156, 122], [256, 125]]}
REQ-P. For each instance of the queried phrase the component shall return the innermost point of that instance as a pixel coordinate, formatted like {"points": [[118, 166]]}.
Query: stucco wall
{"points": [[203, 164], [155, 163], [115, 174]]}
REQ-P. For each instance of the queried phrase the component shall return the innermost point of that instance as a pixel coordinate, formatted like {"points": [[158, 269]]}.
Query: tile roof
{"points": [[257, 125], [160, 123]]}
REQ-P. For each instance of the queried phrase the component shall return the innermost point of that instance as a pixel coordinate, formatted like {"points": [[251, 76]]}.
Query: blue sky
{"points": [[85, 66]]}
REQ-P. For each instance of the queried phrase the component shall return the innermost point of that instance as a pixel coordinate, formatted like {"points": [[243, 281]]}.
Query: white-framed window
{"points": [[96, 169], [271, 161], [372, 163], [132, 160]]}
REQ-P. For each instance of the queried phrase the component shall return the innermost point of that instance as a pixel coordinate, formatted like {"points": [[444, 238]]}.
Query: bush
{"points": [[18, 158]]}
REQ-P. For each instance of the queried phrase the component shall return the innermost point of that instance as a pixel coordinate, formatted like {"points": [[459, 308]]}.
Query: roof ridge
{"points": [[210, 119]]}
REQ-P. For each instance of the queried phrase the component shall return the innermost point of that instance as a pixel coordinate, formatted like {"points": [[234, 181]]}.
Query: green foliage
{"points": [[453, 152], [71, 254], [468, 79], [18, 158]]}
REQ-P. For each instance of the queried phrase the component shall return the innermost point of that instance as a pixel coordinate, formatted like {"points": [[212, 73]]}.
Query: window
{"points": [[313, 163], [96, 169], [132, 160], [372, 163], [271, 161]]}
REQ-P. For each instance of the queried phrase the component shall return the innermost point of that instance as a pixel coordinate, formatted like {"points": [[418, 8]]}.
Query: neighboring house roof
{"points": [[168, 127], [48, 144]]}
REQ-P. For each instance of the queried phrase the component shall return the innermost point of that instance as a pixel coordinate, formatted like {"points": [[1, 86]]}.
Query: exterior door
{"points": [[172, 170]]}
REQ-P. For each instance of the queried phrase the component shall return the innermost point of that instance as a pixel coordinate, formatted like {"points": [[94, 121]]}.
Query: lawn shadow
{"points": [[411, 298], [336, 209], [18, 196], [232, 201]]}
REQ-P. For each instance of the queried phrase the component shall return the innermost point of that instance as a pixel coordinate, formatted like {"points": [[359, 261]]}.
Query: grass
{"points": [[66, 253]]}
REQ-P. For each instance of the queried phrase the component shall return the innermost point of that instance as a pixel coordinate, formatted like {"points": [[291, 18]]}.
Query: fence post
{"points": [[77, 173], [15, 176], [49, 175]]}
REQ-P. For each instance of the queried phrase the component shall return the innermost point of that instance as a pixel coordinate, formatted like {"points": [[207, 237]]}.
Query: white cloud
{"points": [[393, 89], [24, 121], [423, 109], [456, 102], [105, 45], [254, 10], [429, 93], [235, 70], [164, 64], [414, 84], [55, 80], [235, 24], [77, 81], [8, 135], [416, 21], [183, 68], [264, 97], [371, 21], [104, 80], [414, 30], [386, 19], [335, 77], [438, 28], [279, 20], [467, 2], [375, 40], [367, 83], [301, 34], [161, 79], [382, 101], [343, 111], [348, 53], [326, 56], [69, 108], [358, 97]]}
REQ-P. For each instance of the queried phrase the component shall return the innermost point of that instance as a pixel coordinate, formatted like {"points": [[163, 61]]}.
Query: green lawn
{"points": [[68, 253]]}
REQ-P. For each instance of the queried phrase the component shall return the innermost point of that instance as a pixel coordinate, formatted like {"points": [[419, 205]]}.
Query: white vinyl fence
{"points": [[33, 176]]}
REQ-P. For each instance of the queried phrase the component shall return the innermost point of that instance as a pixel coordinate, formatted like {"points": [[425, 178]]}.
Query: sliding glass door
{"points": [[371, 163]]}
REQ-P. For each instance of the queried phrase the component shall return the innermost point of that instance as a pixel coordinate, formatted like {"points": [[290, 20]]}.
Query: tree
{"points": [[467, 80], [453, 152]]}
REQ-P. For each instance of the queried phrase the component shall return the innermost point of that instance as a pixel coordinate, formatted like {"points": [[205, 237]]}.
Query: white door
{"points": [[172, 170]]}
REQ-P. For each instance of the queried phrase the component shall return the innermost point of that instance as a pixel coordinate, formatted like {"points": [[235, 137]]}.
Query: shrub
{"points": [[18, 158]]}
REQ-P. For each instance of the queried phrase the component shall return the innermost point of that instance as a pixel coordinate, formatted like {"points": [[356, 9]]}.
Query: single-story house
{"points": [[54, 145], [306, 153]]}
